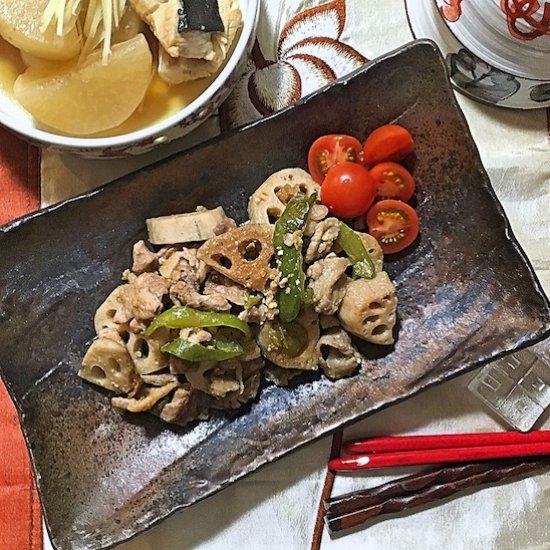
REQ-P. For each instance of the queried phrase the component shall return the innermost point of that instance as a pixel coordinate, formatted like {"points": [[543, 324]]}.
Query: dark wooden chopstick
{"points": [[414, 491]]}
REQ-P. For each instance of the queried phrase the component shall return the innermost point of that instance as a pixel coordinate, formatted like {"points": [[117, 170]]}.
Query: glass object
{"points": [[516, 387]]}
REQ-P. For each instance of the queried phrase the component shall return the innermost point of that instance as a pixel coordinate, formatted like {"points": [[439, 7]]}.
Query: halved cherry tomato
{"points": [[394, 224], [348, 190], [327, 151], [393, 181], [387, 143]]}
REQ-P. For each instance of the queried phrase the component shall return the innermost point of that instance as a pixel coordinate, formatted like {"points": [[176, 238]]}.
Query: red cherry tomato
{"points": [[348, 190], [387, 143], [393, 181], [394, 224], [327, 151]]}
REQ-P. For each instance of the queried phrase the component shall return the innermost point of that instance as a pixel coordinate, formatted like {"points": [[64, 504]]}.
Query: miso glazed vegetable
{"points": [[186, 317], [288, 240], [216, 350], [351, 242], [210, 311]]}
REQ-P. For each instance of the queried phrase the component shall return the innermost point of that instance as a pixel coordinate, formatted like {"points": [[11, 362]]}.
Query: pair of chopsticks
{"points": [[387, 452], [413, 493]]}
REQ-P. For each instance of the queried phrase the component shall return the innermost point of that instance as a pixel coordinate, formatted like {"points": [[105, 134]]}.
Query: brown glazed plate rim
{"points": [[544, 325]]}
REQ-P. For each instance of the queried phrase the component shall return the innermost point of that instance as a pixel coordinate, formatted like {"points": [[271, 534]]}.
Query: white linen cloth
{"points": [[276, 506]]}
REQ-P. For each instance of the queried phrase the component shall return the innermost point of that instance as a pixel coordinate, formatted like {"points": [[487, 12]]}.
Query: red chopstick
{"points": [[437, 456], [418, 442]]}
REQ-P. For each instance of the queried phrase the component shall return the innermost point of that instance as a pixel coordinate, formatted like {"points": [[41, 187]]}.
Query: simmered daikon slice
{"points": [[20, 22], [90, 97]]}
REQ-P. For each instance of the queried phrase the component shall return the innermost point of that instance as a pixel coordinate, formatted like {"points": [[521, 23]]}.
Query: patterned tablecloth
{"points": [[301, 46]]}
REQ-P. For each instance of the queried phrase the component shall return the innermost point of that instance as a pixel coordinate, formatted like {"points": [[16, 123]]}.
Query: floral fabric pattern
{"points": [[309, 54]]}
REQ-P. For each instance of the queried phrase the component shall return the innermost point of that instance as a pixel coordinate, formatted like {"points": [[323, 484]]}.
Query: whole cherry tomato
{"points": [[348, 190], [327, 151], [394, 224], [387, 143]]}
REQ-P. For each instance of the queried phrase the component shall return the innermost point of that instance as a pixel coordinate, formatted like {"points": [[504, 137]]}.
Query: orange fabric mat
{"points": [[20, 515]]}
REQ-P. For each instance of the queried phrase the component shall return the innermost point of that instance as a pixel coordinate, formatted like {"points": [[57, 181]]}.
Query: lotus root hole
{"points": [[372, 319], [111, 313], [251, 250], [224, 261], [125, 336], [336, 353], [141, 347], [375, 305], [303, 188], [379, 330], [273, 215], [98, 373]]}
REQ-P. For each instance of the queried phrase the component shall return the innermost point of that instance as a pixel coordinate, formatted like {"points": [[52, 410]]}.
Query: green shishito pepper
{"points": [[187, 317], [353, 246], [218, 350], [289, 258]]}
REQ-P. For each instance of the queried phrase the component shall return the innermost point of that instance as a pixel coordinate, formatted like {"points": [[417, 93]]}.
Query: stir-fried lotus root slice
{"points": [[108, 364], [292, 346], [374, 249], [146, 398], [111, 311], [268, 202], [242, 254], [338, 356], [146, 352], [368, 309]]}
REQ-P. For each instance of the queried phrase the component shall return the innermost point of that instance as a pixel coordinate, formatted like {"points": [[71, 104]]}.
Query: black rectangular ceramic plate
{"points": [[466, 295]]}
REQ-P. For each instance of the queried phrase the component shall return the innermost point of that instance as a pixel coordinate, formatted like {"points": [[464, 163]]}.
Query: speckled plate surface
{"points": [[466, 295], [470, 74]]}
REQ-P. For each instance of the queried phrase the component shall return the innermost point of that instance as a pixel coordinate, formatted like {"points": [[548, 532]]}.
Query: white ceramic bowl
{"points": [[14, 117], [514, 42]]}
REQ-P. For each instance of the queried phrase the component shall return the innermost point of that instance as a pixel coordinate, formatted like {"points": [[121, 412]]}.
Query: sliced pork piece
{"points": [[323, 239], [328, 280], [186, 406], [146, 398], [338, 356], [218, 284], [145, 259]]}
